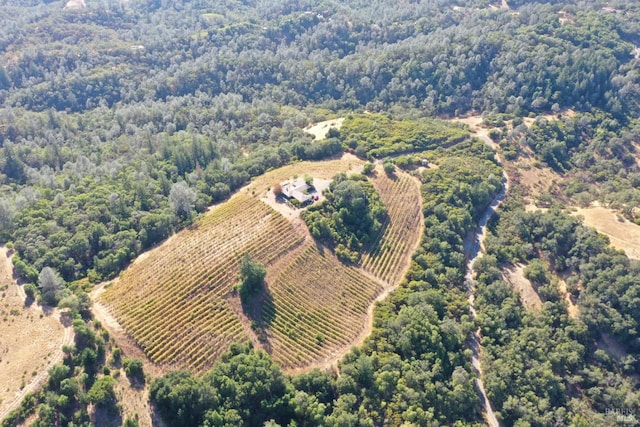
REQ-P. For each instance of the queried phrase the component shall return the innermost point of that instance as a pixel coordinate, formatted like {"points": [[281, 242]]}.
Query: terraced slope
{"points": [[173, 301], [318, 308], [177, 301], [388, 257]]}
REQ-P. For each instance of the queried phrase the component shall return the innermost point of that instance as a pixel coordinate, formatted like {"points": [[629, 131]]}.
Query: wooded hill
{"points": [[121, 122]]}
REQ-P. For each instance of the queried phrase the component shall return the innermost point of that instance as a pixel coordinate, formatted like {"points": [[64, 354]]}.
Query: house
{"points": [[296, 189]]}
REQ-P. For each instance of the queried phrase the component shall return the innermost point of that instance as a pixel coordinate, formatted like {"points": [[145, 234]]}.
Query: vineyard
{"points": [[173, 301], [319, 305], [177, 302], [317, 308], [388, 257]]}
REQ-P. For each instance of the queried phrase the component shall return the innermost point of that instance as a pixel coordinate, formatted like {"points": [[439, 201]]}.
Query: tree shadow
{"points": [[319, 246], [28, 301], [106, 416], [137, 383], [156, 418], [47, 309], [261, 311], [376, 245], [66, 319]]}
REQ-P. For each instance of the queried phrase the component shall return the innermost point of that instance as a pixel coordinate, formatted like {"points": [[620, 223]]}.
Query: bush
{"points": [[134, 369], [30, 290], [251, 277], [389, 167], [368, 168], [277, 190], [102, 393], [495, 135], [116, 355]]}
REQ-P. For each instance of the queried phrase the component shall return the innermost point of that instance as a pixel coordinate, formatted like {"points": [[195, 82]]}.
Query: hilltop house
{"points": [[296, 189]]}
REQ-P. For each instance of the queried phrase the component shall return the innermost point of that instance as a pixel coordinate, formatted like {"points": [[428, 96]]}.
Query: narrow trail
{"points": [[67, 339], [475, 250]]}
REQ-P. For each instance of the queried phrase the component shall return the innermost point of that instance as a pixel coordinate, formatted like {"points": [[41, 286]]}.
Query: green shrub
{"points": [[133, 368]]}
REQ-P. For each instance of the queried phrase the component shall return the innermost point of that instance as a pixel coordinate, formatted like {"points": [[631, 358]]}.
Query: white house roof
{"points": [[295, 189]]}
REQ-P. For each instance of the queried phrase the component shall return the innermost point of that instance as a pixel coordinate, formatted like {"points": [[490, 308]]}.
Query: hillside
{"points": [[173, 301], [177, 302], [30, 342], [140, 142]]}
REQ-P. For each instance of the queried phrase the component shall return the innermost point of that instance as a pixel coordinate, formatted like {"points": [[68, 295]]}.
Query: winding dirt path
{"points": [[474, 248], [35, 311]]}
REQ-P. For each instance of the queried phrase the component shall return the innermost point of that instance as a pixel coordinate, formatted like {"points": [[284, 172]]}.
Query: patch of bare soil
{"points": [[563, 113], [622, 233], [320, 130], [514, 276], [31, 340], [572, 307], [612, 347], [530, 207]]}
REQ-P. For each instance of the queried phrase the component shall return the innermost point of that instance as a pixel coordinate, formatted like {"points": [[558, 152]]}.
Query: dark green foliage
{"points": [[389, 167], [368, 168], [130, 422], [249, 382], [246, 386], [537, 362], [182, 399], [134, 369], [30, 290], [102, 393], [252, 274], [350, 218]]}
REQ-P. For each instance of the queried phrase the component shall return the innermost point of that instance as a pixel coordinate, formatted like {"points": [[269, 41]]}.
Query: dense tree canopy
{"points": [[350, 218]]}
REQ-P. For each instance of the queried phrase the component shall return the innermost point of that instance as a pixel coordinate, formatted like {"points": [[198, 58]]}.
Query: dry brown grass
{"points": [[622, 233], [30, 341]]}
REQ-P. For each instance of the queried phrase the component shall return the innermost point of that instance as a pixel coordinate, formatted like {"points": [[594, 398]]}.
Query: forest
{"points": [[121, 122]]}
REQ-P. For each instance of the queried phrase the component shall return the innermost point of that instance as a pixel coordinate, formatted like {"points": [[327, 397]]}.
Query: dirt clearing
{"points": [[622, 233], [514, 276], [572, 308], [320, 130]]}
